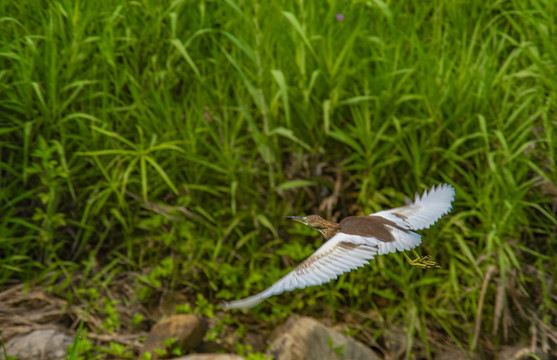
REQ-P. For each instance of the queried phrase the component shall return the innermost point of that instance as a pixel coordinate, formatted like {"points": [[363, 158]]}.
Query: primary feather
{"points": [[425, 210]]}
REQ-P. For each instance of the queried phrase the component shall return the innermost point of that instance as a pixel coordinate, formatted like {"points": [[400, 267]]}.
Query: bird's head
{"points": [[327, 228]]}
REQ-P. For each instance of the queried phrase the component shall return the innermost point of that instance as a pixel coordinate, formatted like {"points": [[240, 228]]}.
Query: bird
{"points": [[356, 240]]}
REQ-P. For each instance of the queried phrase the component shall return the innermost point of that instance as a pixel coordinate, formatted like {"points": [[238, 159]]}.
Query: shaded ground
{"points": [[23, 310]]}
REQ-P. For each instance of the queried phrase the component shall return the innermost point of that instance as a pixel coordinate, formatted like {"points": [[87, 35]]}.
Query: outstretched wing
{"points": [[425, 210], [340, 254]]}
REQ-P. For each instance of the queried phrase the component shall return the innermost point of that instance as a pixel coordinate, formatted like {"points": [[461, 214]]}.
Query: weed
{"points": [[132, 141], [246, 352]]}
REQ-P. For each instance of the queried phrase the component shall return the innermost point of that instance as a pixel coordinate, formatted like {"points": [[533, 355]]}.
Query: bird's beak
{"points": [[300, 219]]}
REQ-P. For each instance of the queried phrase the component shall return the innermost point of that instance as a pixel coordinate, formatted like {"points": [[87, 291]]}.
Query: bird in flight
{"points": [[357, 239]]}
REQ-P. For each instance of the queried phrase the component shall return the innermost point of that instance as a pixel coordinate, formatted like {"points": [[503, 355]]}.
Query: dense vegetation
{"points": [[162, 144]]}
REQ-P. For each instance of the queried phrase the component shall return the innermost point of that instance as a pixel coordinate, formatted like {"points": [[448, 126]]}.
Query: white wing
{"points": [[338, 255], [424, 211]]}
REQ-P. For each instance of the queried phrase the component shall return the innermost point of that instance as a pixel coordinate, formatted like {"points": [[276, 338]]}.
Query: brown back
{"points": [[369, 226]]}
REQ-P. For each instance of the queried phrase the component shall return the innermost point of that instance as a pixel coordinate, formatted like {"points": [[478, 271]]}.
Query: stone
{"points": [[210, 357], [39, 344], [305, 338], [189, 331]]}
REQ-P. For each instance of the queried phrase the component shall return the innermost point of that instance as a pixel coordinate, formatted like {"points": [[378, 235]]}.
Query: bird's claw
{"points": [[424, 262]]}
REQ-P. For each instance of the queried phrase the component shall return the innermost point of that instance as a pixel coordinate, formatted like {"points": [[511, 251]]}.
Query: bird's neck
{"points": [[330, 230]]}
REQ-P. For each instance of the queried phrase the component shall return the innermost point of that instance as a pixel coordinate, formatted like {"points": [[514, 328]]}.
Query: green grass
{"points": [[171, 139]]}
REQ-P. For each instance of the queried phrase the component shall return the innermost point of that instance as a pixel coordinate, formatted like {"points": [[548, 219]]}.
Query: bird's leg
{"points": [[422, 262]]}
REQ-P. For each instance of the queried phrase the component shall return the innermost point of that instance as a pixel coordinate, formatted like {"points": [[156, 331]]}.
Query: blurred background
{"points": [[150, 151]]}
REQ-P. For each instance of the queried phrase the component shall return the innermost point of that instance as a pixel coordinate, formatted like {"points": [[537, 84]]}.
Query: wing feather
{"points": [[340, 254], [425, 210]]}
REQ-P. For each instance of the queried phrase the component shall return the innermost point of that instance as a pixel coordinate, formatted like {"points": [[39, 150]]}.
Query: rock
{"points": [[189, 331], [210, 357], [39, 344], [305, 338]]}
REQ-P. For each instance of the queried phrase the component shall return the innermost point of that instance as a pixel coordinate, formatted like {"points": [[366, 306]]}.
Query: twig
{"points": [[490, 270]]}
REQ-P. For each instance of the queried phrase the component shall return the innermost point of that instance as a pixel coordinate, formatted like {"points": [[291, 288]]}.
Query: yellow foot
{"points": [[423, 262]]}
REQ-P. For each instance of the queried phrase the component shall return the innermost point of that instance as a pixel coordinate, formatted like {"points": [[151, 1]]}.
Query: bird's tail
{"points": [[244, 303]]}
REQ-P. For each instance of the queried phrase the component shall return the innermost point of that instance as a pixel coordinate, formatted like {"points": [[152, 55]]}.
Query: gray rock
{"points": [[305, 338], [188, 329], [210, 357], [39, 344]]}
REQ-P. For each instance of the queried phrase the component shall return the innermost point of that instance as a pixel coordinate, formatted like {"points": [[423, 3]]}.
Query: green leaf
{"points": [[183, 51], [289, 134], [299, 29], [162, 173], [293, 184], [283, 89]]}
